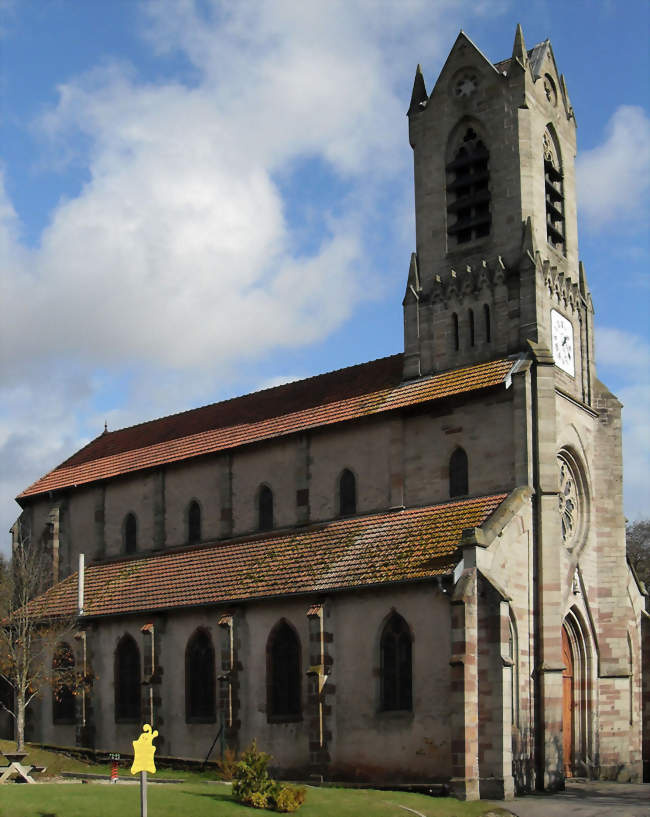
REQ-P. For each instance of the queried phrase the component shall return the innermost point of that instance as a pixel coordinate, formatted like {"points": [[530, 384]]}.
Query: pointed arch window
{"points": [[130, 533], [63, 667], [472, 328], [458, 473], [455, 334], [127, 681], [193, 523], [513, 654], [200, 679], [265, 508], [487, 323], [283, 674], [347, 493], [396, 665], [468, 191], [554, 189]]}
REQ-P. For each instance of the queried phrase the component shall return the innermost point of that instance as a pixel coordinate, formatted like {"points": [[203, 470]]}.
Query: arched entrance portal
{"points": [[577, 695], [568, 737]]}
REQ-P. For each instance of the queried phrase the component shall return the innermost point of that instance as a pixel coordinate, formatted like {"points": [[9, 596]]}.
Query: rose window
{"points": [[568, 502], [466, 84]]}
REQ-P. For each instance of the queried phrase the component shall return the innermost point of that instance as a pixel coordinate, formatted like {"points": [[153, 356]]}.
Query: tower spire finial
{"points": [[519, 48], [419, 95]]}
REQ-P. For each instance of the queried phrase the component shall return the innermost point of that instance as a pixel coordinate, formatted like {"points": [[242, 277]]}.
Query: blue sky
{"points": [[199, 199]]}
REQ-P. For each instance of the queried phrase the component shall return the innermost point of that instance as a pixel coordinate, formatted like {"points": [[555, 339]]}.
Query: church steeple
{"points": [[495, 204]]}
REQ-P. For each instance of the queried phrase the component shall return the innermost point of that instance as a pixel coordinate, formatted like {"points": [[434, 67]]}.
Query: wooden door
{"points": [[567, 704]]}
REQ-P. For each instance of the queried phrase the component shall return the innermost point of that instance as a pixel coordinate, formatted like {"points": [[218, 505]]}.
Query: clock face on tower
{"points": [[562, 341]]}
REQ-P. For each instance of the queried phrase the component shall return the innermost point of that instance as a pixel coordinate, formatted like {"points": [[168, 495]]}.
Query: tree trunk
{"points": [[20, 721]]}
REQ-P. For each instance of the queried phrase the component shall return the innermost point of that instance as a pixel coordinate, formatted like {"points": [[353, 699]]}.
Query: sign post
{"points": [[143, 752], [115, 759]]}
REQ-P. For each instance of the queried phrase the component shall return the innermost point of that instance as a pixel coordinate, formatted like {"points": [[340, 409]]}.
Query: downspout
{"points": [[81, 579]]}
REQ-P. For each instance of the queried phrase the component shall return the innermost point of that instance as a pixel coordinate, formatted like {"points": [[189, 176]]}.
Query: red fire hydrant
{"points": [[115, 757]]}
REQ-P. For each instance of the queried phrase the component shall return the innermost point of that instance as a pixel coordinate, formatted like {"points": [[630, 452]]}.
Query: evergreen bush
{"points": [[253, 787]]}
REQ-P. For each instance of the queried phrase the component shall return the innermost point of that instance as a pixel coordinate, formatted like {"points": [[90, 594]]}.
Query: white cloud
{"points": [[176, 259], [624, 351], [614, 177], [177, 251]]}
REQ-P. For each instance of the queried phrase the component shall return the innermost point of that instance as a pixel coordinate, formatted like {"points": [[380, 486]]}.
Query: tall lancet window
{"points": [[200, 685], [347, 493], [193, 522], [283, 674], [265, 508], [396, 665], [130, 533], [458, 473], [127, 680], [63, 704], [468, 192], [554, 191], [488, 325]]}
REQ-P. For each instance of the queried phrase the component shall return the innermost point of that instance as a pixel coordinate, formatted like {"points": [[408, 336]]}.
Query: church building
{"points": [[410, 569]]}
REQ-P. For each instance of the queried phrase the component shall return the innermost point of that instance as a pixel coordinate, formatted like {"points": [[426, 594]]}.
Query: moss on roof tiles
{"points": [[363, 551]]}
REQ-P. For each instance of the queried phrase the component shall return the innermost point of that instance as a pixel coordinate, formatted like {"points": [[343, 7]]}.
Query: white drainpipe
{"points": [[80, 600]]}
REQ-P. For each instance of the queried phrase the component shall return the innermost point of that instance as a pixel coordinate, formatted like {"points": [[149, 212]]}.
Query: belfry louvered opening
{"points": [[468, 191], [554, 191]]}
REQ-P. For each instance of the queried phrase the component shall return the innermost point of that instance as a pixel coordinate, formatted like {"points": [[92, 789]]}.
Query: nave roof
{"points": [[384, 548], [344, 395]]}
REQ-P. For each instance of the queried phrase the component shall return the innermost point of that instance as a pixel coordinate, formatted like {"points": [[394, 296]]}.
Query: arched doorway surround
{"points": [[577, 694]]}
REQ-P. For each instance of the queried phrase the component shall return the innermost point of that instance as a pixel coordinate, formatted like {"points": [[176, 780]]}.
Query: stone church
{"points": [[410, 569]]}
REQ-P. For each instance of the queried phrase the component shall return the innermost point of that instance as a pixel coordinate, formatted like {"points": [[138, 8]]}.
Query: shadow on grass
{"points": [[220, 797]]}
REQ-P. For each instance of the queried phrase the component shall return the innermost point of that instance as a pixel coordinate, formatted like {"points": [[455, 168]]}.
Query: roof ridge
{"points": [[242, 396], [346, 394]]}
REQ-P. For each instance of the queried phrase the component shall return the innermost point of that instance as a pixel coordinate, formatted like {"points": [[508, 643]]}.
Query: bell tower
{"points": [[496, 261]]}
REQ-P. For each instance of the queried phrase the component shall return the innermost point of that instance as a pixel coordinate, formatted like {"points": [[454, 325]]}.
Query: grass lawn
{"points": [[205, 800], [55, 763], [196, 798]]}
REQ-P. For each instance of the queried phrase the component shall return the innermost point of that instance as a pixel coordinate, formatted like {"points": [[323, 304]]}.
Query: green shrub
{"points": [[287, 798], [252, 785], [257, 800], [251, 775]]}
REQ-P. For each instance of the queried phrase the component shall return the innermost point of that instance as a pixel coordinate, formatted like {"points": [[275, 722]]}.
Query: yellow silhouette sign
{"points": [[143, 751]]}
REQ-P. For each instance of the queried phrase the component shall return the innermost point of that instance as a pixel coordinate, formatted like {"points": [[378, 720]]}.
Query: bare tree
{"points": [[28, 638], [637, 536]]}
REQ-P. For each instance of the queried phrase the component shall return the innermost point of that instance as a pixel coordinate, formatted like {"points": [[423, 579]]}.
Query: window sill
{"points": [[284, 718], [190, 719], [396, 714]]}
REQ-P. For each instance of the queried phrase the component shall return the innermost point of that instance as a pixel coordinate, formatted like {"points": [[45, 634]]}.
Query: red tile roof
{"points": [[382, 548], [347, 394]]}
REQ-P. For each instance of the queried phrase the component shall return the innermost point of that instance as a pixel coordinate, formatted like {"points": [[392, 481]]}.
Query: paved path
{"points": [[593, 799]]}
